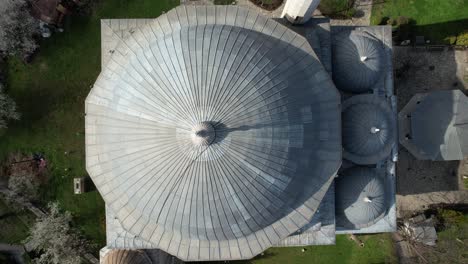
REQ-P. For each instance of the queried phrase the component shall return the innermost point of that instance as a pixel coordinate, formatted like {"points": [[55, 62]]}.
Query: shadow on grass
{"points": [[437, 33], [89, 184]]}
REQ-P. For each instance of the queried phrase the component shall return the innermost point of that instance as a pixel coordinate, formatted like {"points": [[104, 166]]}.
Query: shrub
{"points": [[17, 28], [450, 40], [450, 217], [337, 8], [7, 109], [391, 22], [350, 12], [382, 21], [462, 39], [402, 20], [24, 186]]}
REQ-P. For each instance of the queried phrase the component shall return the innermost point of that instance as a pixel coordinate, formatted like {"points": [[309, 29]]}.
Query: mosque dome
{"points": [[360, 198], [369, 129], [213, 133], [357, 61]]}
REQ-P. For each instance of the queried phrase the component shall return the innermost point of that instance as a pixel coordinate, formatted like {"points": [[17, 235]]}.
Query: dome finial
{"points": [[203, 134]]}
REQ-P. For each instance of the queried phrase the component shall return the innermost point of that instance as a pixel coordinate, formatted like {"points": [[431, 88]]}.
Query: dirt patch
{"points": [[269, 5], [22, 164]]}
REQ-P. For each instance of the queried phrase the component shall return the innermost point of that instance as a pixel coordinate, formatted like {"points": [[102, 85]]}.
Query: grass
{"points": [[50, 93], [337, 8], [452, 238], [378, 249], [14, 227], [434, 19]]}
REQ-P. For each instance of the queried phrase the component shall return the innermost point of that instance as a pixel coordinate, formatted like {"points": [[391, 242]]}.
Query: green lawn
{"points": [[377, 249], [337, 8], [452, 240], [50, 93], [434, 19]]}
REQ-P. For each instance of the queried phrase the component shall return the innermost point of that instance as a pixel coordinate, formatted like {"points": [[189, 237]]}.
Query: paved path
{"points": [[16, 251], [409, 204]]}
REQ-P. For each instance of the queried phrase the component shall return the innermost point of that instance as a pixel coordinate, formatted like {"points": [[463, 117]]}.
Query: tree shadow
{"points": [[437, 33]]}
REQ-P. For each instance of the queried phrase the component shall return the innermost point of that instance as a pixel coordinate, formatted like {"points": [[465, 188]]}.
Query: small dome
{"points": [[360, 198], [357, 61], [369, 131], [120, 256]]}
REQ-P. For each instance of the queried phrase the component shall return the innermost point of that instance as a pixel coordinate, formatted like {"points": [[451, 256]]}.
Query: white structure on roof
{"points": [[299, 11]]}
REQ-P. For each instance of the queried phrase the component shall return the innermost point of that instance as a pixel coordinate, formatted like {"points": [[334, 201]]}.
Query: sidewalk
{"points": [[16, 251]]}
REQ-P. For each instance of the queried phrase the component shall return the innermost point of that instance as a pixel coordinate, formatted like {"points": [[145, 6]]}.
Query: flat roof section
{"points": [[434, 126]]}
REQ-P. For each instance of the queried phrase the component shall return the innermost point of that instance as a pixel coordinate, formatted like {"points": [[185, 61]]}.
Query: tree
{"points": [[25, 186], [56, 241], [17, 28], [7, 105]]}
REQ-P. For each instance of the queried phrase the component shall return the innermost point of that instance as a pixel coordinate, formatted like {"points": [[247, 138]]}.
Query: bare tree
{"points": [[17, 28], [25, 186], [56, 241], [7, 105]]}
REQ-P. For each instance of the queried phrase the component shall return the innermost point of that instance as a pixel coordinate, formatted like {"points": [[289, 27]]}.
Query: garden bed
{"points": [[338, 9], [268, 5], [438, 21]]}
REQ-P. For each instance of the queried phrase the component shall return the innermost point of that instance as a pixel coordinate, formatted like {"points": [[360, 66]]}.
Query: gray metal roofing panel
{"points": [[358, 61], [369, 129], [434, 125], [320, 230], [263, 178], [360, 197]]}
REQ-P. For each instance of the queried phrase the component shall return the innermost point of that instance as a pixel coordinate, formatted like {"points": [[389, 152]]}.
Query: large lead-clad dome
{"points": [[360, 198], [357, 61], [213, 133], [369, 129]]}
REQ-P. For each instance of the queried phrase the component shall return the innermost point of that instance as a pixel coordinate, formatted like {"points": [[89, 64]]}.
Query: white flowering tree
{"points": [[17, 28], [7, 106], [55, 240], [24, 185]]}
